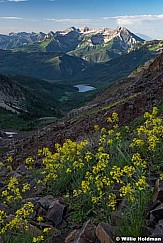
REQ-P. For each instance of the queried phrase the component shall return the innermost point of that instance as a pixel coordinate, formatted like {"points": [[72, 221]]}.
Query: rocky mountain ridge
{"points": [[83, 42], [95, 35], [14, 40]]}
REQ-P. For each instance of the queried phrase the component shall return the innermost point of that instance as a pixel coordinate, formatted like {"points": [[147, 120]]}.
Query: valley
{"points": [[81, 134], [44, 77], [49, 76]]}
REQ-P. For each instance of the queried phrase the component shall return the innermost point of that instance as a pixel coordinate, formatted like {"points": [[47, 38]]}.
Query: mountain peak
{"points": [[70, 29], [121, 28], [128, 36], [86, 28], [49, 35], [124, 31]]}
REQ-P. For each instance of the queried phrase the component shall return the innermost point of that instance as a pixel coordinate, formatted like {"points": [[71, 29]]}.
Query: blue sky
{"points": [[139, 16]]}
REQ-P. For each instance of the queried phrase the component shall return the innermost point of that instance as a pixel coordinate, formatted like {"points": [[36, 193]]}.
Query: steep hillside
{"points": [[31, 98], [50, 66], [20, 105], [11, 95], [130, 97], [103, 74]]}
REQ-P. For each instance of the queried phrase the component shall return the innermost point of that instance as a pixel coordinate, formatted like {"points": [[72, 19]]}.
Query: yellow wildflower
{"points": [[116, 174], [3, 216], [115, 117], [137, 160], [10, 159], [45, 230], [129, 170], [38, 239], [112, 201], [26, 187], [68, 170], [141, 184], [128, 191], [161, 176], [40, 219], [96, 127], [85, 186]]}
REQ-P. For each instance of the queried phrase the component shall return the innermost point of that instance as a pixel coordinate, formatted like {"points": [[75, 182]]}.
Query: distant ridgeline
{"points": [[72, 53]]}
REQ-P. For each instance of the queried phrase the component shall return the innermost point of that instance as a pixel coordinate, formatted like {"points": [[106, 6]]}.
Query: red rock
{"points": [[71, 237], [104, 233], [87, 233], [155, 192], [55, 212]]}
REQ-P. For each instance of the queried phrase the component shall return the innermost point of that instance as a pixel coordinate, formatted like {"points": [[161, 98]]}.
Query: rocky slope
{"points": [[11, 95], [130, 97], [22, 100]]}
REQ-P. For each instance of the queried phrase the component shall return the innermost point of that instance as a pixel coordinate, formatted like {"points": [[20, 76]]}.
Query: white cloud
{"points": [[16, 1], [69, 20], [135, 19], [10, 17]]}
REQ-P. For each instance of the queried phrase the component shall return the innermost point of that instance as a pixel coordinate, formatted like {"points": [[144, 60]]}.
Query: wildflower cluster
{"points": [[101, 178], [43, 236], [29, 163], [21, 214], [148, 140], [138, 161], [12, 193], [9, 160], [3, 216], [65, 164], [93, 178], [128, 191], [149, 134]]}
